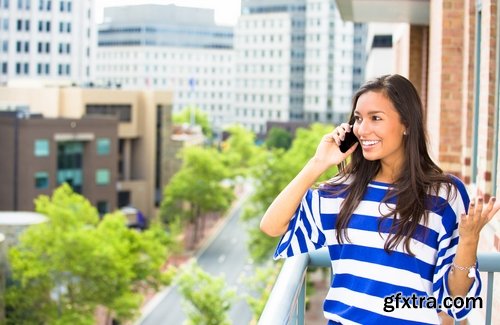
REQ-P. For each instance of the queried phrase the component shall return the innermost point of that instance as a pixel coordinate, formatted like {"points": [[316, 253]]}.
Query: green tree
{"points": [[200, 118], [207, 298], [278, 138], [240, 151], [197, 188], [276, 170], [260, 284], [64, 268]]}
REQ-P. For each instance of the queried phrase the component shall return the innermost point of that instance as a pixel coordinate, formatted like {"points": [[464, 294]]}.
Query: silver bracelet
{"points": [[470, 269]]}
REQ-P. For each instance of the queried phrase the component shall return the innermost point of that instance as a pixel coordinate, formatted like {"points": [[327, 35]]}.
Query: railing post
{"points": [[301, 305], [489, 297]]}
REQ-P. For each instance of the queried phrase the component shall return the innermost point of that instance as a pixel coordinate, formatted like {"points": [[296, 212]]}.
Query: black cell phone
{"points": [[349, 140]]}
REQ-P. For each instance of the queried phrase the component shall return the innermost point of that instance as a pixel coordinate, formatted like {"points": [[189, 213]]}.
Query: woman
{"points": [[395, 225]]}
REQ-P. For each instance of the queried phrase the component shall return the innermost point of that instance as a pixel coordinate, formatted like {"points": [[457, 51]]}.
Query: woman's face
{"points": [[379, 129]]}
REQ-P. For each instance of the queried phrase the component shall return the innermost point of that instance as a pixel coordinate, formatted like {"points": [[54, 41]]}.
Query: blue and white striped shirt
{"points": [[364, 272]]}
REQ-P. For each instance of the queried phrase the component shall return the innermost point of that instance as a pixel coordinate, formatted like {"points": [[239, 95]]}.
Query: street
{"points": [[226, 255]]}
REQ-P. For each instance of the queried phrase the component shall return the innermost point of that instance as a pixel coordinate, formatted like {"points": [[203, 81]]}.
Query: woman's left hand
{"points": [[479, 215]]}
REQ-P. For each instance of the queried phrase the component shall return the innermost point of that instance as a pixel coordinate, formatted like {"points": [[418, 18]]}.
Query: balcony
{"points": [[415, 12], [286, 304]]}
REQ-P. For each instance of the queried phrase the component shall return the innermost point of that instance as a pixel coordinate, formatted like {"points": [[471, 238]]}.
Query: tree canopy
{"points": [[278, 138], [240, 153], [207, 298], [64, 268], [199, 118]]}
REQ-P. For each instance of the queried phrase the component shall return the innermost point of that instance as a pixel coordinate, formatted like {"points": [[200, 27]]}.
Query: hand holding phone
{"points": [[349, 140]]}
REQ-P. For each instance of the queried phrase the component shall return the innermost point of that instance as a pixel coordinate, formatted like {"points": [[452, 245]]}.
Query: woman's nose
{"points": [[362, 128]]}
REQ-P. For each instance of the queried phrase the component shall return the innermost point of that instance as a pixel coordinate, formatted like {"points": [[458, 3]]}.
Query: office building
{"points": [[294, 62], [47, 39], [138, 157], [169, 47], [41, 154]]}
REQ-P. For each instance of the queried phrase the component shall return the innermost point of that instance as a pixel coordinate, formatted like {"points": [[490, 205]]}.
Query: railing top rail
{"points": [[285, 291], [283, 298]]}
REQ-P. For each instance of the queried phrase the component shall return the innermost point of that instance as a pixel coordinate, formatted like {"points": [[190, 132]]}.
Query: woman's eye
{"points": [[357, 119], [376, 118]]}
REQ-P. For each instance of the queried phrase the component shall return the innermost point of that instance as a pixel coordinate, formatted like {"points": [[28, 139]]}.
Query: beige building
{"points": [[144, 120], [450, 51]]}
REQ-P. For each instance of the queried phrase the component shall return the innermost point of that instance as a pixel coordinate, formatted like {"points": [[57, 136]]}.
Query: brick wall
{"points": [[452, 77], [419, 39], [468, 89]]}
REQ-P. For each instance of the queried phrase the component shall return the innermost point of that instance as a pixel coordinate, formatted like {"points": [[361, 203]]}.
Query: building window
{"points": [[103, 146], [102, 207], [41, 180], [5, 24], [122, 111], [102, 177], [42, 148]]}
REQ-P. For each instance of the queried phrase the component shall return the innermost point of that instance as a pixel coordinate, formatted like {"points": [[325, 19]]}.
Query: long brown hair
{"points": [[420, 176]]}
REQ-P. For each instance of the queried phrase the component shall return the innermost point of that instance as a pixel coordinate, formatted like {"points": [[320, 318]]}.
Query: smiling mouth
{"points": [[369, 143]]}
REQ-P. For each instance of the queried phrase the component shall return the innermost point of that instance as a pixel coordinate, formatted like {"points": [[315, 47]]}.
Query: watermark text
{"points": [[397, 301]]}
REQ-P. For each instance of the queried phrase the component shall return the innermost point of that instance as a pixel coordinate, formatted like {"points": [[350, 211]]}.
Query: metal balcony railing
{"points": [[286, 304]]}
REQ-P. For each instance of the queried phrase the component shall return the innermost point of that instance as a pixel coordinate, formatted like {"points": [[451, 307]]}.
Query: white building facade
{"points": [[263, 78], [304, 47], [47, 39], [284, 61], [169, 47]]}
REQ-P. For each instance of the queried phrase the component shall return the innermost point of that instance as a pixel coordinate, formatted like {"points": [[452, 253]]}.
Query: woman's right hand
{"points": [[328, 152]]}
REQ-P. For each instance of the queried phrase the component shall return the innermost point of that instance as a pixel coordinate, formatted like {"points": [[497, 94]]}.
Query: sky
{"points": [[226, 11]]}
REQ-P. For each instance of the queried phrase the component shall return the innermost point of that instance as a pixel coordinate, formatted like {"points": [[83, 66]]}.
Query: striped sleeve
{"points": [[447, 247], [304, 233]]}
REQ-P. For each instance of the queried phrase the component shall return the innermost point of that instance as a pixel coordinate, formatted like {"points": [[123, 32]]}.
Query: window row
{"points": [[262, 68], [43, 26], [191, 57], [260, 39], [23, 4], [263, 99], [23, 25], [102, 177], [268, 23], [244, 112], [161, 82], [42, 147], [256, 84], [23, 68], [170, 69], [45, 5], [262, 53], [65, 6]]}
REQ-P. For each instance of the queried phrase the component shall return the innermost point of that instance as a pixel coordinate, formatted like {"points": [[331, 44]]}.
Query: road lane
{"points": [[225, 255]]}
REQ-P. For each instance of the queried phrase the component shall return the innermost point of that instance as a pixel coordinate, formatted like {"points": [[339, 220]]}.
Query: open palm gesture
{"points": [[479, 215]]}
